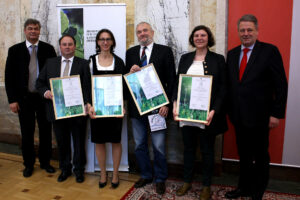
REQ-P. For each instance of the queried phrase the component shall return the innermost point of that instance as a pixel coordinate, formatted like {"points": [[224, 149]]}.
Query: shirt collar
{"points": [[28, 44], [70, 59], [250, 48], [149, 47]]}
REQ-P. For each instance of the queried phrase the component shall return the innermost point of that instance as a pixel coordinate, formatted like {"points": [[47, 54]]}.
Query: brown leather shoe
{"points": [[183, 189], [205, 194]]}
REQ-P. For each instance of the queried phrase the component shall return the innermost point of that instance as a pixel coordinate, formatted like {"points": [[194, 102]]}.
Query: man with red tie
{"points": [[257, 93]]}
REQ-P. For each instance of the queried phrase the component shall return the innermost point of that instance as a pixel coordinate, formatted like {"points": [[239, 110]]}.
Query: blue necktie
{"points": [[144, 57]]}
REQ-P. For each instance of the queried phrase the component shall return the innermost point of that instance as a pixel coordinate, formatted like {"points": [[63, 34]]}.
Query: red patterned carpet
{"points": [[218, 192]]}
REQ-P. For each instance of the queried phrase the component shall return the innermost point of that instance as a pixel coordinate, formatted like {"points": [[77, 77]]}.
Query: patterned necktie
{"points": [[243, 63], [67, 68], [144, 57], [32, 70]]}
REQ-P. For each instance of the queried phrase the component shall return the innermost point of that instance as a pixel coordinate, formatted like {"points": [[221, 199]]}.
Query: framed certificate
{"points": [[146, 89], [67, 97], [193, 98], [107, 94]]}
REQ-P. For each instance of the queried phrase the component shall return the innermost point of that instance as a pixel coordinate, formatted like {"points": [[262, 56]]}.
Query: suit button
{"points": [[205, 66], [206, 72]]}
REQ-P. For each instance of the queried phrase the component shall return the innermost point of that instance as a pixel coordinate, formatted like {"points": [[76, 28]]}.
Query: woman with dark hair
{"points": [[202, 62], [106, 130]]}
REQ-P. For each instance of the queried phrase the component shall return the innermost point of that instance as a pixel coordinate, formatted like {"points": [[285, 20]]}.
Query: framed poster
{"points": [[193, 98], [107, 95], [146, 89], [67, 97]]}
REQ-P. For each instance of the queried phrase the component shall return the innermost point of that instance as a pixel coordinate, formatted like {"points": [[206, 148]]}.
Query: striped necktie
{"points": [[144, 57], [32, 70]]}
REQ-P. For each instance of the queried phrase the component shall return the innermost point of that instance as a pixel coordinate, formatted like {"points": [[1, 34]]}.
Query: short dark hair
{"points": [[248, 18], [211, 39], [67, 35], [111, 36], [32, 21]]}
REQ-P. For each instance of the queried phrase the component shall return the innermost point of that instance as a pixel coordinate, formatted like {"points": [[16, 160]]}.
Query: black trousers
{"points": [[64, 129], [191, 136], [32, 108], [253, 144]]}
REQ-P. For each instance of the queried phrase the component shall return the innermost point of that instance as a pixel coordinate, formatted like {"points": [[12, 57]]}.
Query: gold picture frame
{"points": [[61, 108], [98, 97], [185, 106], [144, 104]]}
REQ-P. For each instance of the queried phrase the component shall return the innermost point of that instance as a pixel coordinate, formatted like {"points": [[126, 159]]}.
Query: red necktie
{"points": [[243, 63], [144, 57]]}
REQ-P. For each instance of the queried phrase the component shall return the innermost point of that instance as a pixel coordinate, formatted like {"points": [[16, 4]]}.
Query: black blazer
{"points": [[163, 61], [262, 92], [214, 65], [52, 69], [17, 71]]}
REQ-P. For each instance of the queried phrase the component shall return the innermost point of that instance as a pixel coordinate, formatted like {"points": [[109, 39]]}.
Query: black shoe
{"points": [[234, 194], [63, 176], [79, 177], [257, 196], [115, 185], [48, 168], [102, 185], [160, 188], [27, 172], [142, 182]]}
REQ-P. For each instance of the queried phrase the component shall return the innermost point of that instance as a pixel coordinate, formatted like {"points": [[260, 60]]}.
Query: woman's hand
{"points": [[210, 117], [91, 112]]}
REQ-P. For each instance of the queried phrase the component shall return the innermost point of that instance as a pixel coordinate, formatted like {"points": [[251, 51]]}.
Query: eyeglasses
{"points": [[105, 39]]}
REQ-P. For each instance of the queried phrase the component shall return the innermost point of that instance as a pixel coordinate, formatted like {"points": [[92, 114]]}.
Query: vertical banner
{"points": [[83, 21]]}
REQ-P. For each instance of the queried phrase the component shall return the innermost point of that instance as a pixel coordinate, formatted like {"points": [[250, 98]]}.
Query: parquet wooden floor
{"points": [[44, 186]]}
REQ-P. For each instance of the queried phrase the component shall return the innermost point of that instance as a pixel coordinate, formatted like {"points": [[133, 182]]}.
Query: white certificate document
{"points": [[200, 93], [72, 91], [149, 83], [112, 90], [157, 122]]}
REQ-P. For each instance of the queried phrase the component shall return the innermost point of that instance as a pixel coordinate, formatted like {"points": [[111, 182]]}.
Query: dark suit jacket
{"points": [[17, 71], [214, 65], [262, 92], [52, 69], [163, 61]]}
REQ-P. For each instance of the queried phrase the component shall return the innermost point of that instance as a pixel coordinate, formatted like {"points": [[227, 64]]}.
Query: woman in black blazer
{"points": [[202, 62], [105, 130]]}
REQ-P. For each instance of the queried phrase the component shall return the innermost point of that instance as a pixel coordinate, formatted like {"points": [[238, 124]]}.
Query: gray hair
{"points": [[144, 23], [248, 18]]}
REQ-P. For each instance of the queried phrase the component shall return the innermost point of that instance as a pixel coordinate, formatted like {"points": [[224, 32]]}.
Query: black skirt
{"points": [[106, 130]]}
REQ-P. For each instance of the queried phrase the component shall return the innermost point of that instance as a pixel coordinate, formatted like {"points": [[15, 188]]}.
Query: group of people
{"points": [[250, 87]]}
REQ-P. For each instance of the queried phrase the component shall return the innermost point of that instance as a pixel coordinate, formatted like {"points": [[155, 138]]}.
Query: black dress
{"points": [[107, 129]]}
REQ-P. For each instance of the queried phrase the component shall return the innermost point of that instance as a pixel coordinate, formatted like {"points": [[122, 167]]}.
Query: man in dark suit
{"points": [[257, 99], [163, 60], [67, 65], [24, 62]]}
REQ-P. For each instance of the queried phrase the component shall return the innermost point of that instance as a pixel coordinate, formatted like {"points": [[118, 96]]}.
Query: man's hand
{"points": [[135, 68], [210, 117], [48, 95], [175, 114], [14, 107], [163, 111], [273, 122]]}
